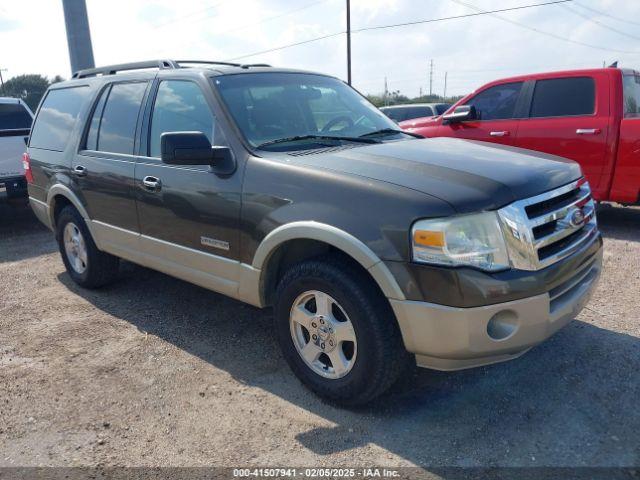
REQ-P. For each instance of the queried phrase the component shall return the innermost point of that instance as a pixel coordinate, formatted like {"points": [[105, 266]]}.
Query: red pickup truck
{"points": [[590, 116]]}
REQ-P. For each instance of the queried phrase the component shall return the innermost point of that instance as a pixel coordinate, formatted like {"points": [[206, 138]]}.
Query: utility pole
{"points": [[349, 42], [431, 78], [2, 79], [78, 34], [444, 96], [386, 93]]}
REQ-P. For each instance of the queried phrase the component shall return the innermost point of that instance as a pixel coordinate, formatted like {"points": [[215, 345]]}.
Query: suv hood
{"points": [[469, 175]]}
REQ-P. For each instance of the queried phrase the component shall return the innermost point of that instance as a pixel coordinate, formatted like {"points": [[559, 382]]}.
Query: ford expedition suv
{"points": [[590, 116], [288, 189], [15, 122]]}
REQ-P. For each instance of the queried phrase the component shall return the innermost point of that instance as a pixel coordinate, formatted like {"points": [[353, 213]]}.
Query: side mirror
{"points": [[461, 113], [191, 148]]}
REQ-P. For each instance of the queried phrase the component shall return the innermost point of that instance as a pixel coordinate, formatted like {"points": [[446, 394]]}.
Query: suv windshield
{"points": [[13, 116], [631, 87], [294, 108]]}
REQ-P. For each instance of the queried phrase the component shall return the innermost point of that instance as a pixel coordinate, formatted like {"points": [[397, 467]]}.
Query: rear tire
{"points": [[85, 264], [329, 312]]}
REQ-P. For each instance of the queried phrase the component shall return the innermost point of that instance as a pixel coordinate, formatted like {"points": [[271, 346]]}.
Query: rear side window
{"points": [[113, 124], [631, 91], [498, 102], [563, 97], [13, 116], [57, 117]]}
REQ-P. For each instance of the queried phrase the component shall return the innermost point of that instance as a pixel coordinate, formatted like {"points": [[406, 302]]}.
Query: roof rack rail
{"points": [[207, 62], [113, 69], [228, 64], [160, 64], [248, 65]]}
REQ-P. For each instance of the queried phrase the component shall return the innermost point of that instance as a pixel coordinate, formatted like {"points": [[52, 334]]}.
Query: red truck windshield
{"points": [[631, 91], [14, 116]]}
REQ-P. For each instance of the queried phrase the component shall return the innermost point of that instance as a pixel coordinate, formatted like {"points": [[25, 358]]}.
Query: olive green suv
{"points": [[285, 188]]}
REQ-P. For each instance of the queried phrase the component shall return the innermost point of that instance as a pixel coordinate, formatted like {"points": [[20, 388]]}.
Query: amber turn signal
{"points": [[428, 238]]}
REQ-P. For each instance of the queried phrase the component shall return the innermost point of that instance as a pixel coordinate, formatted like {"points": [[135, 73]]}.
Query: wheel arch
{"points": [[59, 196], [317, 236]]}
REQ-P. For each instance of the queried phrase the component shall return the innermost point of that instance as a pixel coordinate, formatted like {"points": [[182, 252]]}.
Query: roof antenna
{"points": [[614, 64]]}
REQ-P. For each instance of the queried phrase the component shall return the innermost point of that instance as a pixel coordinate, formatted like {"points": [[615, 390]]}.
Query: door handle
{"points": [[79, 171], [501, 133], [152, 183], [588, 131]]}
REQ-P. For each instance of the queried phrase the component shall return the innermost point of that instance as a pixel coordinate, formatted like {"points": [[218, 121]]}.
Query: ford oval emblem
{"points": [[576, 218]]}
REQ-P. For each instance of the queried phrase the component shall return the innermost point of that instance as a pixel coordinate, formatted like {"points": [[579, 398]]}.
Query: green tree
{"points": [[29, 88]]}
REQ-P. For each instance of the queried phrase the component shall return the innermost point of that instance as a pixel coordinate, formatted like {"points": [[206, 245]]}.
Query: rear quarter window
{"points": [[57, 117], [13, 116], [631, 91], [564, 97]]}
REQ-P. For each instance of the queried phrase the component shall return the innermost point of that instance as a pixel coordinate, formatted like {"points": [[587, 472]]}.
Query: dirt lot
{"points": [[155, 371]]}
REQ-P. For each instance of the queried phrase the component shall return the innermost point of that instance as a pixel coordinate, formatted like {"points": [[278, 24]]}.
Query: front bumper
{"points": [[454, 338]]}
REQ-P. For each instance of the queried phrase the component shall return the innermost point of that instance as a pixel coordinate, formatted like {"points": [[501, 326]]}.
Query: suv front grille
{"points": [[544, 229]]}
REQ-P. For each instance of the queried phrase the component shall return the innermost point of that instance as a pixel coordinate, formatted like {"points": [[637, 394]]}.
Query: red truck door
{"points": [[497, 116], [569, 116], [625, 187]]}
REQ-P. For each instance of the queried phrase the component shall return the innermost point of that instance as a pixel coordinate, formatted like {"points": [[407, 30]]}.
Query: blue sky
{"points": [[472, 50]]}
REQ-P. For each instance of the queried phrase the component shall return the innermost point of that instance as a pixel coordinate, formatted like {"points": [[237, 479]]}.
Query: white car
{"points": [[15, 125]]}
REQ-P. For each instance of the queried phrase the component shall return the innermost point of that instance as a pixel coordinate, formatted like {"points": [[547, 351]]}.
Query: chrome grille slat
{"points": [[553, 217], [559, 214], [561, 231], [572, 248]]}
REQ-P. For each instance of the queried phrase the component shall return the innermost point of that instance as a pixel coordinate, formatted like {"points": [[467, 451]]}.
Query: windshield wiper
{"points": [[388, 131], [316, 137]]}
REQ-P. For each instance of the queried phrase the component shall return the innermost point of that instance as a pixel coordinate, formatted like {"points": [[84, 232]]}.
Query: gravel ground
{"points": [[153, 371]]}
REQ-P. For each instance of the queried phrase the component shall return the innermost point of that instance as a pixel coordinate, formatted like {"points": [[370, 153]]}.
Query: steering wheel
{"points": [[335, 121]]}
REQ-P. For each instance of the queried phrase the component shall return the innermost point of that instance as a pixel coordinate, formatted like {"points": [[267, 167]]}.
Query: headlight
{"points": [[468, 240]]}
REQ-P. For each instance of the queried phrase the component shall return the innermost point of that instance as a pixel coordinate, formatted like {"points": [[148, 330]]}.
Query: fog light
{"points": [[502, 325]]}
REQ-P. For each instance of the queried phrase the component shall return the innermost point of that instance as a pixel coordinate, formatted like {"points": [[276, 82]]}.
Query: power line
{"points": [[598, 22], [275, 17], [542, 32], [282, 47], [188, 15], [378, 27], [265, 20], [604, 14], [455, 17]]}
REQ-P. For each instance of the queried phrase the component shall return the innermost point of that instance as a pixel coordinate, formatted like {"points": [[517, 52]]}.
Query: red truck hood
{"points": [[419, 122]]}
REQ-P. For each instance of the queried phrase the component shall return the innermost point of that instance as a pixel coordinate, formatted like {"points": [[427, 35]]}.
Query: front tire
{"points": [[337, 332], [85, 264]]}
